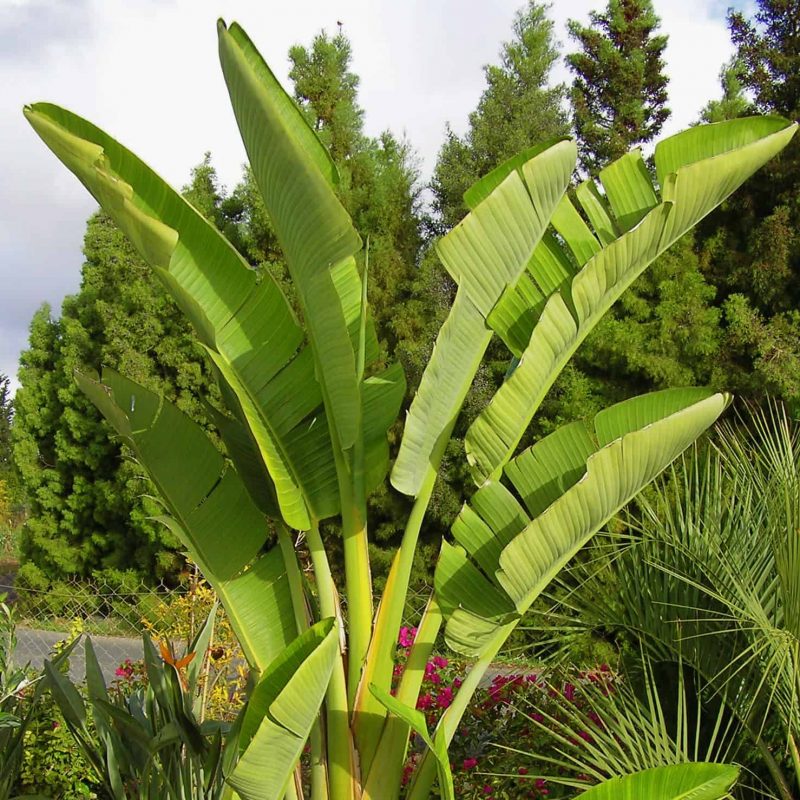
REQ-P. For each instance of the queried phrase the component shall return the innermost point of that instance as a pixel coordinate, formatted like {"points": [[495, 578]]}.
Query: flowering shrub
{"points": [[223, 678], [493, 754]]}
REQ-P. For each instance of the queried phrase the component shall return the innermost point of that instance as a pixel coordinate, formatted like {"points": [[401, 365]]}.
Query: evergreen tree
{"points": [[733, 102], [516, 110], [6, 413], [8, 482], [89, 507], [378, 177], [751, 245], [619, 93], [768, 49]]}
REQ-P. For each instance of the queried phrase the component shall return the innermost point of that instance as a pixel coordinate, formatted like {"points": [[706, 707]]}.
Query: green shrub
{"points": [[52, 763]]}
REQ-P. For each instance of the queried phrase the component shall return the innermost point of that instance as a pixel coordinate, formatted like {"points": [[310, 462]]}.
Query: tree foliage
{"points": [[517, 108], [750, 247], [733, 102], [89, 509], [619, 93]]}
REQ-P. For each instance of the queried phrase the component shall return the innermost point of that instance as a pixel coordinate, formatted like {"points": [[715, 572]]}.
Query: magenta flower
{"points": [[444, 698], [407, 636], [470, 763]]}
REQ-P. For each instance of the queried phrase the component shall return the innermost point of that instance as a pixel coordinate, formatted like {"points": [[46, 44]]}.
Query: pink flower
{"points": [[440, 662], [470, 763], [407, 635], [523, 770], [424, 702], [487, 790], [445, 697], [569, 692]]}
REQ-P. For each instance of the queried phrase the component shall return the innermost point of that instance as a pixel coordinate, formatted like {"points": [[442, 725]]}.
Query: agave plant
{"points": [[306, 414]]}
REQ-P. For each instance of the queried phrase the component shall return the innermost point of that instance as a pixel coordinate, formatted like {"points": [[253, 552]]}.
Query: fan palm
{"points": [[712, 579]]}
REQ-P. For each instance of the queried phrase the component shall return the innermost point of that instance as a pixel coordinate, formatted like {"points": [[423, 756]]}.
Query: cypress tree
{"points": [[751, 245], [89, 508], [619, 93], [516, 110]]}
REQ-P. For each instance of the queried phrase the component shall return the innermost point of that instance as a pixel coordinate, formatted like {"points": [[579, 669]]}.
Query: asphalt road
{"points": [[34, 646]]}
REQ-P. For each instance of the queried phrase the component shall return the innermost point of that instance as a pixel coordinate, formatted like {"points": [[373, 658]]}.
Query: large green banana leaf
{"points": [[511, 541], [543, 321], [486, 253], [209, 509], [281, 711], [293, 172], [268, 376], [696, 781]]}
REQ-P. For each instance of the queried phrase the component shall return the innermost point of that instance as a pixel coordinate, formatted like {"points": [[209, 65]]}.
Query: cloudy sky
{"points": [[146, 71]]}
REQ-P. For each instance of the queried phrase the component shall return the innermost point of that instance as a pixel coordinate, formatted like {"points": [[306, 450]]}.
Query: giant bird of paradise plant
{"points": [[307, 415]]}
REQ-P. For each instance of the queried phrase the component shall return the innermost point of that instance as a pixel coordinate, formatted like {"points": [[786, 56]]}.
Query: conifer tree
{"points": [[89, 507], [619, 93], [751, 245], [733, 102], [517, 109], [768, 50]]}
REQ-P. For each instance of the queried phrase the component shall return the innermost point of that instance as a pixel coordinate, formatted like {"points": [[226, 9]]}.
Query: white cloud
{"points": [[147, 72]]}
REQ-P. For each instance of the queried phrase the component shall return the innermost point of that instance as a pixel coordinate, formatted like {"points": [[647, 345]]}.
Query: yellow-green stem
{"points": [[795, 759], [340, 767], [358, 577], [383, 782], [291, 789], [370, 714], [358, 583]]}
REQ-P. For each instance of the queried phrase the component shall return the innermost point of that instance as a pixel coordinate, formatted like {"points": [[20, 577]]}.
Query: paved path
{"points": [[34, 646]]}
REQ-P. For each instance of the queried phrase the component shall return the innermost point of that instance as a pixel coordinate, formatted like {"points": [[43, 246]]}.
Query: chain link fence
{"points": [[115, 613]]}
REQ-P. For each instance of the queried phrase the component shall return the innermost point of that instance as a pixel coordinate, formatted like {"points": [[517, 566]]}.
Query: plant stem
{"points": [[340, 767], [294, 578], [426, 772], [795, 759], [369, 716], [358, 584], [384, 778]]}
